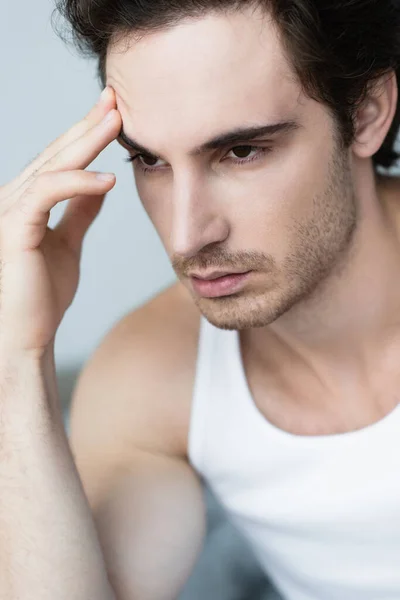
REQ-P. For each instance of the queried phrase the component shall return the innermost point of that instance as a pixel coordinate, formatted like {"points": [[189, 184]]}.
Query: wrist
{"points": [[21, 367], [9, 353], [28, 386]]}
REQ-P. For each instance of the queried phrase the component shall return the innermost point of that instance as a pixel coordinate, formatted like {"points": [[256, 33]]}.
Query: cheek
{"points": [[154, 198], [269, 207]]}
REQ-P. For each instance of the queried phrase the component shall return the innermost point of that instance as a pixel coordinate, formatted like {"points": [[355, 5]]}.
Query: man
{"points": [[280, 388]]}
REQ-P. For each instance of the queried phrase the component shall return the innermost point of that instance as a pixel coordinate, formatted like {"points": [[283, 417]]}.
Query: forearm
{"points": [[49, 549]]}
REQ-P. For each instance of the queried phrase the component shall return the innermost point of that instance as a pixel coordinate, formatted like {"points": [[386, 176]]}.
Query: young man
{"points": [[256, 131]]}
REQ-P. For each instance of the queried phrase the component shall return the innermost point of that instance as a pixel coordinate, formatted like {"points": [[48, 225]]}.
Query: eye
{"points": [[140, 160], [243, 149]]}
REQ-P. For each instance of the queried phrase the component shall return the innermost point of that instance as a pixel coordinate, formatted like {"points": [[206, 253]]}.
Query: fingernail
{"points": [[105, 176]]}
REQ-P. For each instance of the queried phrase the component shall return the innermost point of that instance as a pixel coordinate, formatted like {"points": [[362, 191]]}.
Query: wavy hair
{"points": [[338, 48]]}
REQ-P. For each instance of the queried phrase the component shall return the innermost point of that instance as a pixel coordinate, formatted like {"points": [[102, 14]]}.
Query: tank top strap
{"points": [[211, 395]]}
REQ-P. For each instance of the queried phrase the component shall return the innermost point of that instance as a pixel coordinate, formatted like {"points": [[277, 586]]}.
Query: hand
{"points": [[39, 266]]}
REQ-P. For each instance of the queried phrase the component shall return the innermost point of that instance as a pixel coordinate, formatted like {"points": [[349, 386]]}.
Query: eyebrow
{"points": [[240, 134]]}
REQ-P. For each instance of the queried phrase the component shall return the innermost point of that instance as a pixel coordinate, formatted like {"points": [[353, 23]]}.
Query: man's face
{"points": [[287, 213]]}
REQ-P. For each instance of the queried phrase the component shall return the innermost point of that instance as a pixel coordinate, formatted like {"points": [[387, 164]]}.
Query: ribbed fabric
{"points": [[322, 513]]}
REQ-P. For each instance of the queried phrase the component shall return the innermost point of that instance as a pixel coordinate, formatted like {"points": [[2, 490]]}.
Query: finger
{"points": [[76, 220], [81, 152], [106, 102], [32, 211]]}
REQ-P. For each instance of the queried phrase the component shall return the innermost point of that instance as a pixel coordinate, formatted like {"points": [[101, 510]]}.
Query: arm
{"points": [[49, 549], [134, 529], [146, 500], [49, 546], [150, 522]]}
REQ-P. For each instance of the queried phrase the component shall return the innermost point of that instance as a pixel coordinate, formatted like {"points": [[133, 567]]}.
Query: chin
{"points": [[241, 311]]}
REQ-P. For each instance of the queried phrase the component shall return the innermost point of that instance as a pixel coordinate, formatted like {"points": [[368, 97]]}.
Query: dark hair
{"points": [[338, 48]]}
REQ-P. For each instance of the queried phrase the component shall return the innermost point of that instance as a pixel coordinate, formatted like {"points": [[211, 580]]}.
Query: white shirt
{"points": [[322, 513]]}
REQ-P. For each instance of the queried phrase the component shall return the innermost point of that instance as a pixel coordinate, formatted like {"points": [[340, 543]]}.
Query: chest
{"points": [[322, 515], [299, 406], [331, 531]]}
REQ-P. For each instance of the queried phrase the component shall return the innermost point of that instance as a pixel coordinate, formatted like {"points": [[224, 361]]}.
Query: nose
{"points": [[197, 218]]}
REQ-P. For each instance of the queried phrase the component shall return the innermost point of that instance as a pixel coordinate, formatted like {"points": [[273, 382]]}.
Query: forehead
{"points": [[202, 76]]}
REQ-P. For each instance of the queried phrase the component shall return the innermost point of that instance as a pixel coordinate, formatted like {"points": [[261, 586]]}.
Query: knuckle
{"points": [[32, 185], [86, 177], [31, 178], [43, 178], [38, 183]]}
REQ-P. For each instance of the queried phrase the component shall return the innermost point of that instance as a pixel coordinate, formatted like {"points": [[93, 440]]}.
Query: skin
{"points": [[317, 226]]}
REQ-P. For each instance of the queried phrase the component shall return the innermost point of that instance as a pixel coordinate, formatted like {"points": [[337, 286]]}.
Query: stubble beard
{"points": [[323, 244]]}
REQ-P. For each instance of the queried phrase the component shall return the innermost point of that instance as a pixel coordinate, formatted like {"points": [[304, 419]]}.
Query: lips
{"points": [[221, 286], [217, 275]]}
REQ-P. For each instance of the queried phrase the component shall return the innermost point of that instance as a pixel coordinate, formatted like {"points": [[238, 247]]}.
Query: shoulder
{"points": [[138, 383]]}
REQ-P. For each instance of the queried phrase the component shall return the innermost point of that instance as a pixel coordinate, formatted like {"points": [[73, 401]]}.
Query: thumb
{"points": [[80, 213]]}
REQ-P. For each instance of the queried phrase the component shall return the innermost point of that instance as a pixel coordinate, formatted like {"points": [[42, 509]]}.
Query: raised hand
{"points": [[39, 266]]}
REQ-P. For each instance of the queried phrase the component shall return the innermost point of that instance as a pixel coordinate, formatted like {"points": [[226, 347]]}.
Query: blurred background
{"points": [[46, 88]]}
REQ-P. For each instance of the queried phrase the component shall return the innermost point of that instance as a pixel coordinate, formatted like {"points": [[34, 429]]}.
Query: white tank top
{"points": [[322, 513]]}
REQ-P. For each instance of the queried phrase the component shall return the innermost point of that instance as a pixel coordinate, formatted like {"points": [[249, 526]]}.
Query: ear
{"points": [[375, 116]]}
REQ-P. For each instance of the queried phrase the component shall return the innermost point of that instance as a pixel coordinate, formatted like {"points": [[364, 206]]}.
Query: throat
{"points": [[297, 403]]}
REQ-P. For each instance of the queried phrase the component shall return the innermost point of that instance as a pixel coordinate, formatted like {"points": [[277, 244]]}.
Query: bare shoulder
{"points": [[140, 379]]}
